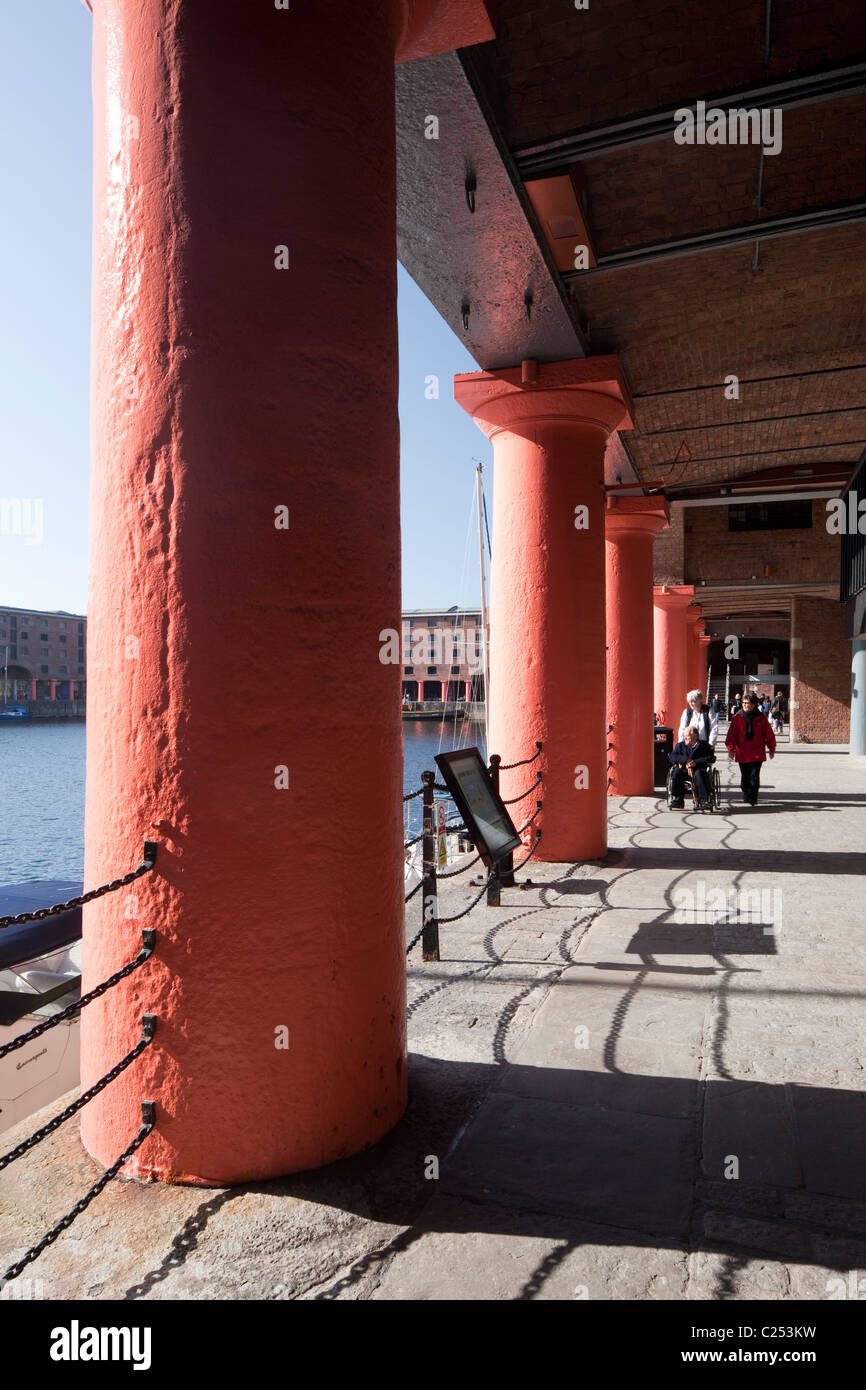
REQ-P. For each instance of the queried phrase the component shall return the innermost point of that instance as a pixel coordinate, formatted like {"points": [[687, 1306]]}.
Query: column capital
{"points": [[638, 515], [589, 391], [672, 596], [428, 27], [695, 616]]}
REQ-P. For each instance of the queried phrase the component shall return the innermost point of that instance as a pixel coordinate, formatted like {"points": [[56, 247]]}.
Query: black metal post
{"points": [[505, 868], [429, 904]]}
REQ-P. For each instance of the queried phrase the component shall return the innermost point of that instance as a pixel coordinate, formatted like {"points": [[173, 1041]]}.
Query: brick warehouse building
{"points": [[43, 655], [662, 322], [443, 647]]}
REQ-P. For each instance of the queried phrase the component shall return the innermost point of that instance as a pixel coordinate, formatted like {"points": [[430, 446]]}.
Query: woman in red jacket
{"points": [[749, 735]]}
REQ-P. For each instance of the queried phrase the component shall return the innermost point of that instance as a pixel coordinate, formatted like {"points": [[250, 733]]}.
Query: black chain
{"points": [[410, 896], [509, 767], [455, 872], [412, 795], [415, 939], [144, 954], [474, 903], [523, 795], [147, 1123], [42, 912], [527, 857], [148, 1033]]}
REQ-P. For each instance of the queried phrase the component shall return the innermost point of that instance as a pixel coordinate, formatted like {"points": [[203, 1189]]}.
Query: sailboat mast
{"points": [[485, 665]]}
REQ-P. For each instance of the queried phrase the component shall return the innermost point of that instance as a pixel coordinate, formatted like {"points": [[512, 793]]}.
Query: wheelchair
{"points": [[714, 789]]}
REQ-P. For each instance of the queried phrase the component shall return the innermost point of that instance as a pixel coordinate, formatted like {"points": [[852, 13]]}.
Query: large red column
{"points": [[245, 487], [631, 525], [549, 424], [33, 689], [670, 648]]}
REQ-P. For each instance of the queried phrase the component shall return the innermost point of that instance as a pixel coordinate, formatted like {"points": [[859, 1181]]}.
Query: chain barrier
{"points": [[40, 913], [411, 895], [454, 872], [415, 939], [148, 1032], [498, 874], [474, 903], [412, 795], [509, 767], [148, 937], [536, 812], [523, 795], [527, 857], [148, 1120], [443, 921]]}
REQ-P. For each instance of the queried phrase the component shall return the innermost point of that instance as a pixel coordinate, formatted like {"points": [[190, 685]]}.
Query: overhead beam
{"points": [[677, 431], [744, 499], [546, 156], [752, 453], [787, 224], [463, 228]]}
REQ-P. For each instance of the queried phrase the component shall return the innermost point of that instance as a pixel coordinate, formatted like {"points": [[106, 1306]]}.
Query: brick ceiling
{"points": [[786, 314]]}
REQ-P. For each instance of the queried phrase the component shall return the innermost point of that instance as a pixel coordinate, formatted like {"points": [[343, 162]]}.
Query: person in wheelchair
{"points": [[692, 758]]}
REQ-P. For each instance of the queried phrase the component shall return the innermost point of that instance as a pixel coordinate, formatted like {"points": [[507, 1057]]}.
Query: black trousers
{"points": [[678, 782], [750, 781]]}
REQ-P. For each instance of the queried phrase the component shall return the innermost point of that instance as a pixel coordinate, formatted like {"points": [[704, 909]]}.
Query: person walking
{"points": [[750, 738]]}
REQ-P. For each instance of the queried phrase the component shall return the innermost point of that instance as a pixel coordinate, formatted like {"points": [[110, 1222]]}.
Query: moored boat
{"points": [[40, 976]]}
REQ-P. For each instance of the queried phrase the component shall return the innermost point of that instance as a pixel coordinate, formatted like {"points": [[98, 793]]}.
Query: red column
{"points": [[444, 692], [549, 423], [670, 646], [33, 689], [232, 396], [52, 690], [467, 690], [631, 525]]}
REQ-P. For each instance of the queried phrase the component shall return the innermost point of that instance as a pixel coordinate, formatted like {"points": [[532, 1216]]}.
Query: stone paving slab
{"points": [[628, 1168], [475, 1252]]}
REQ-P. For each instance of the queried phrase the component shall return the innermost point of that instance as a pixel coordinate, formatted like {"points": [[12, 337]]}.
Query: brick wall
{"points": [[820, 672], [720, 556], [668, 555]]}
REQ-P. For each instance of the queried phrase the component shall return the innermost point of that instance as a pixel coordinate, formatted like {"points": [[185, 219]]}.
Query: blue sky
{"points": [[45, 221]]}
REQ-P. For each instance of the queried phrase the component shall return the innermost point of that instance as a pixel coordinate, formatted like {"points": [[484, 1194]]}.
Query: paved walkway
{"points": [[641, 1078]]}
